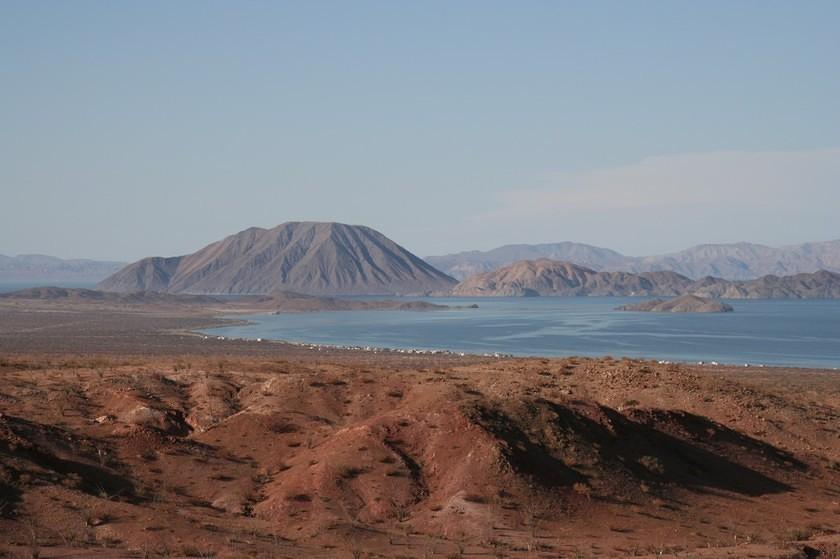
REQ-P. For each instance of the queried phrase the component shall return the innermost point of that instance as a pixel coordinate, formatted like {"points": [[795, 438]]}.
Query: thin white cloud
{"points": [[773, 181]]}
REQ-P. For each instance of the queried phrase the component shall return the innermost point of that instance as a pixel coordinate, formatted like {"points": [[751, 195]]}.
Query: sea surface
{"points": [[803, 333]]}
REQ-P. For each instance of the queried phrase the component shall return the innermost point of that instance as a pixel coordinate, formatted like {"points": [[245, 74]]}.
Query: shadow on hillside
{"points": [[545, 441], [44, 446]]}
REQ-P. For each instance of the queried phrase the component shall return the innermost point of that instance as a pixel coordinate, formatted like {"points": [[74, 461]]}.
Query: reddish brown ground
{"points": [[120, 436]]}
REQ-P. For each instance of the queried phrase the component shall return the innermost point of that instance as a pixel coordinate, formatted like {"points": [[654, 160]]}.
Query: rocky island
{"points": [[685, 303]]}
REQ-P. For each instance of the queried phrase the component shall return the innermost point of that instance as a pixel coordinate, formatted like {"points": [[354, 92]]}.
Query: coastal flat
{"points": [[123, 434]]}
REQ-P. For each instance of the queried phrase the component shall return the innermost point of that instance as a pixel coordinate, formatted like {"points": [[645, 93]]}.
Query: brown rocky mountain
{"points": [[465, 264], [556, 278], [683, 303], [735, 261], [306, 257], [819, 285]]}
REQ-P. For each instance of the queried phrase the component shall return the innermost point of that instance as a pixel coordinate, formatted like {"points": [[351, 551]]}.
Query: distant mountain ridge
{"points": [[736, 261], [41, 268], [546, 277], [314, 258], [556, 278]]}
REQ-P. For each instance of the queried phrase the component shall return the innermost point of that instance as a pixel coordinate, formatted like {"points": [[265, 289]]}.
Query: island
{"points": [[684, 303]]}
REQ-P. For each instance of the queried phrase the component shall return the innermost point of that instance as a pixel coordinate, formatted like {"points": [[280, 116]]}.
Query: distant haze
{"points": [[152, 128], [731, 261]]}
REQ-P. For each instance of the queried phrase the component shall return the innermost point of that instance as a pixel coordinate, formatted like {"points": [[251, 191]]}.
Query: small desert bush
{"points": [[301, 498], [350, 472], [475, 498]]}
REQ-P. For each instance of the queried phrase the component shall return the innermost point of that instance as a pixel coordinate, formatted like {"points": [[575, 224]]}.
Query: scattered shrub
{"points": [[350, 472]]}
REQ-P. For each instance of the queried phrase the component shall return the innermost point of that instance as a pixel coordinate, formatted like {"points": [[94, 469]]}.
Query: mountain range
{"points": [[314, 258], [546, 277], [324, 258], [40, 268], [737, 261]]}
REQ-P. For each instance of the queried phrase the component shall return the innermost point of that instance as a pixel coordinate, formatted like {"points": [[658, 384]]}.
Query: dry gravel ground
{"points": [[123, 436]]}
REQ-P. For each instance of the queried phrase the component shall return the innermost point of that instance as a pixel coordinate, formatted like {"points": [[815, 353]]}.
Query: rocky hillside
{"points": [[556, 278], [742, 261], [306, 257], [819, 285], [551, 277], [313, 457], [465, 264], [736, 261]]}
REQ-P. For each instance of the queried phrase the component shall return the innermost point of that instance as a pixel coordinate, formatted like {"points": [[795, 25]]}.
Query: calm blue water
{"points": [[778, 332]]}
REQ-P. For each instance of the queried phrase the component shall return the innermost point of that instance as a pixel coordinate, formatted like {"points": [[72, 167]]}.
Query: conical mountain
{"points": [[307, 257]]}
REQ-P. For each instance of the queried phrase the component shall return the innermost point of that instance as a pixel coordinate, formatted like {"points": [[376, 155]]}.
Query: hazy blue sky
{"points": [[130, 129]]}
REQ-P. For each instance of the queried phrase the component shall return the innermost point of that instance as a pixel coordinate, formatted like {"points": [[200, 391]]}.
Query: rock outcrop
{"points": [[682, 304]]}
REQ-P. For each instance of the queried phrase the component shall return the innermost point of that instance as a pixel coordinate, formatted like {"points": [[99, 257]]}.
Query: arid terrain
{"points": [[554, 278], [732, 261], [124, 435]]}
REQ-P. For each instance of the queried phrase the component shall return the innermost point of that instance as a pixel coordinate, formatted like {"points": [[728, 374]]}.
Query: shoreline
{"points": [[55, 328], [393, 350]]}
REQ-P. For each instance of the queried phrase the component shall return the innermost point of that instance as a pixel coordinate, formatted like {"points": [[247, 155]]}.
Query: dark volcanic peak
{"points": [[307, 257]]}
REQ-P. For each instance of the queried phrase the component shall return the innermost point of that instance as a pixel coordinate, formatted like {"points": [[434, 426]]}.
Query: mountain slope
{"points": [[554, 278], [41, 268], [819, 285], [736, 261], [465, 264], [746, 260], [308, 257]]}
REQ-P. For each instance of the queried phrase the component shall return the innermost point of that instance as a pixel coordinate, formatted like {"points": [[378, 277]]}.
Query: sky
{"points": [[132, 129]]}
